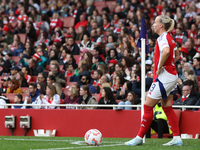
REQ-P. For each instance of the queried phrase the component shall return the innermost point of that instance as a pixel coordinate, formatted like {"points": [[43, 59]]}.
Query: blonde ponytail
{"points": [[168, 22], [171, 26]]}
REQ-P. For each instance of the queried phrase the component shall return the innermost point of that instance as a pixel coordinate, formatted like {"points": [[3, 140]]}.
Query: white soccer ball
{"points": [[93, 137]]}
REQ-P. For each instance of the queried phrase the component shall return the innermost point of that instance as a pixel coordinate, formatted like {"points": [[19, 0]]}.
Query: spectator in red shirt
{"points": [[82, 22], [56, 22], [22, 17]]}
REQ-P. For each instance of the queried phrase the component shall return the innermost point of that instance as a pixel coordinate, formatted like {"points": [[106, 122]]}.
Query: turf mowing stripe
{"points": [[36, 140], [79, 147]]}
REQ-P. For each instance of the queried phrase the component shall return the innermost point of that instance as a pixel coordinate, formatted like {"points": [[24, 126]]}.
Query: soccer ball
{"points": [[93, 137]]}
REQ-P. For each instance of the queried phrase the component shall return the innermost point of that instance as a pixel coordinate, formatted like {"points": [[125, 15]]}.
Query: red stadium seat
{"points": [[109, 4], [103, 3], [37, 34], [118, 100], [14, 24], [77, 42], [76, 57], [33, 78], [91, 51], [67, 79], [15, 58], [68, 22], [99, 8], [198, 77], [11, 96], [69, 84], [23, 38], [65, 91], [25, 90]]}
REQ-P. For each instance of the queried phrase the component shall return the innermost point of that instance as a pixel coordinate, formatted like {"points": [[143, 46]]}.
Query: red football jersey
{"points": [[163, 41]]}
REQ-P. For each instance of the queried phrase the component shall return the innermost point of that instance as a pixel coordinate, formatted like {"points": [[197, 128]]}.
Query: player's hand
{"points": [[159, 71]]}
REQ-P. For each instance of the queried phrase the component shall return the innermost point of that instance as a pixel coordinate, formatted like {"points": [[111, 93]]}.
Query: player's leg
{"points": [[146, 121], [172, 120]]}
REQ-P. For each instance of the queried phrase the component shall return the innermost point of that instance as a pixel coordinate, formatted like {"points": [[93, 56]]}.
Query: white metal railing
{"points": [[80, 106]]}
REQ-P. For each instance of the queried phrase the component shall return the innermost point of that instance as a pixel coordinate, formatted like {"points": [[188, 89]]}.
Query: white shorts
{"points": [[155, 92]]}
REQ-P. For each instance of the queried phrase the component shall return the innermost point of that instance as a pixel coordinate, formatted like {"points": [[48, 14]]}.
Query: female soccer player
{"points": [[165, 79]]}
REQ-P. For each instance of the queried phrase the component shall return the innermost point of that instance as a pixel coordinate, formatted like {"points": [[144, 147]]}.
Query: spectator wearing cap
{"points": [[96, 60], [8, 56], [85, 79], [4, 87], [112, 64], [7, 37], [83, 22], [73, 47], [14, 70], [86, 43], [18, 48], [184, 52], [196, 63], [148, 65], [41, 60], [82, 52], [66, 39], [109, 46], [6, 68]]}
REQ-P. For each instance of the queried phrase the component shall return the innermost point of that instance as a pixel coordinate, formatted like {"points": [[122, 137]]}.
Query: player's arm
{"points": [[164, 57]]}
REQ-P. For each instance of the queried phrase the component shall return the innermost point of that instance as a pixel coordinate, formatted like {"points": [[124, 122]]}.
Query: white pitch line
{"points": [[12, 139], [82, 147]]}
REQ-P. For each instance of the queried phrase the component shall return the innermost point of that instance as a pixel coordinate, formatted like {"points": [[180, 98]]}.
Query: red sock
{"points": [[146, 121], [172, 120]]}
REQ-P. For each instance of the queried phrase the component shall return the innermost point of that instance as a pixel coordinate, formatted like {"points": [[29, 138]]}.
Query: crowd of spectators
{"points": [[99, 52]]}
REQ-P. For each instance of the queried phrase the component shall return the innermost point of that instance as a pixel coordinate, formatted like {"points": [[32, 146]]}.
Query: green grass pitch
{"points": [[64, 143]]}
